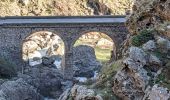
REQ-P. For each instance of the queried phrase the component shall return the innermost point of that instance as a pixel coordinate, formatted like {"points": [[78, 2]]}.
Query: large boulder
{"points": [[130, 82], [46, 80], [158, 93], [78, 92], [85, 62], [18, 90]]}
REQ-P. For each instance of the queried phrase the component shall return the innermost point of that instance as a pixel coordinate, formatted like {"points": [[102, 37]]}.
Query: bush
{"points": [[143, 37], [7, 69], [163, 80]]}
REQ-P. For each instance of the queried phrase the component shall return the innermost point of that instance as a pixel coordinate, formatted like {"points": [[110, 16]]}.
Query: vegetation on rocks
{"points": [[142, 37]]}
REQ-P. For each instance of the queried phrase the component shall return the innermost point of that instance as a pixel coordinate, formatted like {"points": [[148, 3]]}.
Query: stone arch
{"points": [[105, 32], [53, 35]]}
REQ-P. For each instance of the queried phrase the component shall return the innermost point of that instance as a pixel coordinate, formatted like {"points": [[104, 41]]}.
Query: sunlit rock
{"points": [[78, 92], [149, 46], [159, 93]]}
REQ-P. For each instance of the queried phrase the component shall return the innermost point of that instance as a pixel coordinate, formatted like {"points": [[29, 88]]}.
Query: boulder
{"points": [[159, 93], [78, 92], [149, 46], [137, 55], [47, 61], [46, 79], [163, 44], [129, 85], [154, 63], [130, 82], [85, 62], [18, 90]]}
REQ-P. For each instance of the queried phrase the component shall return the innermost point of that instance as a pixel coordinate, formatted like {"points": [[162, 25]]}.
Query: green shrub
{"points": [[7, 69], [143, 37], [162, 80]]}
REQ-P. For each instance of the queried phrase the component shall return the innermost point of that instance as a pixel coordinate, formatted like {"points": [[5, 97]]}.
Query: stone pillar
{"points": [[68, 69], [68, 66]]}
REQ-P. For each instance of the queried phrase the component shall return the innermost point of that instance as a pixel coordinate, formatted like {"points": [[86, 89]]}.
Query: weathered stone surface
{"points": [[137, 54], [163, 44], [46, 80], [65, 8], [85, 61], [18, 90], [11, 45], [159, 93], [65, 95], [149, 46], [149, 14], [78, 92], [153, 60], [130, 82]]}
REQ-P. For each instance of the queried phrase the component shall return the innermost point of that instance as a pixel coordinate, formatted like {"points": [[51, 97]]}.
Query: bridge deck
{"points": [[61, 19]]}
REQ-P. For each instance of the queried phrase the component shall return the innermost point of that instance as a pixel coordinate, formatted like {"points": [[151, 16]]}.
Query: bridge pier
{"points": [[68, 68]]}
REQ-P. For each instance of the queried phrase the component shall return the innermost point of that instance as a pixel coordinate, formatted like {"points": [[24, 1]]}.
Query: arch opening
{"points": [[43, 47], [91, 51], [102, 44]]}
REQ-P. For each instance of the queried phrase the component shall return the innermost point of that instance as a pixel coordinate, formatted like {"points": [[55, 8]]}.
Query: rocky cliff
{"points": [[144, 74], [64, 7]]}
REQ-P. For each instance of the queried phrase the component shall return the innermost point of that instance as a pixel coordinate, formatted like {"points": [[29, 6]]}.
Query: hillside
{"points": [[64, 7]]}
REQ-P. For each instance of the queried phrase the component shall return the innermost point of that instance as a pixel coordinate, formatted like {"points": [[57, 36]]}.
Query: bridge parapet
{"points": [[62, 20]]}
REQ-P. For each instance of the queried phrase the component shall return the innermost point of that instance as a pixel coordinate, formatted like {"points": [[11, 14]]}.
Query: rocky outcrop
{"points": [[67, 8], [46, 80], [18, 90], [78, 92], [150, 14], [143, 66], [85, 61], [130, 82]]}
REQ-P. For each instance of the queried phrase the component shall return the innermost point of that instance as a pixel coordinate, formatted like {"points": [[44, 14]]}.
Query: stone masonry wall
{"points": [[12, 38]]}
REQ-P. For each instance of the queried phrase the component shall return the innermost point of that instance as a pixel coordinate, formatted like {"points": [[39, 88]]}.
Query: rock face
{"points": [[130, 82], [80, 93], [46, 80], [18, 90], [142, 65], [85, 61], [149, 14], [67, 8]]}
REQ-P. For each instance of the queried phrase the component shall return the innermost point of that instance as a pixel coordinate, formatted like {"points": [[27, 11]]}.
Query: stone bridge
{"points": [[13, 31]]}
